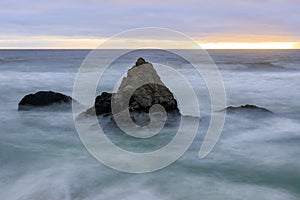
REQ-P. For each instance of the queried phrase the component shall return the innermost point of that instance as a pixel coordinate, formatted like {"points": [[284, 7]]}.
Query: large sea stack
{"points": [[141, 99]]}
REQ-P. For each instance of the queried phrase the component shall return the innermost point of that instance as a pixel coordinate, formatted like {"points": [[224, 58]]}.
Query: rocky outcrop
{"points": [[42, 99], [102, 105], [247, 108], [142, 98]]}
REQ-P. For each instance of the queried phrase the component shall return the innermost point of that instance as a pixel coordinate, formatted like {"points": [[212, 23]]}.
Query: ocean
{"points": [[256, 157]]}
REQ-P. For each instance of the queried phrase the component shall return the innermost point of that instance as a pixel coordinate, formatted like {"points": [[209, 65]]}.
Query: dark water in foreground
{"points": [[257, 156]]}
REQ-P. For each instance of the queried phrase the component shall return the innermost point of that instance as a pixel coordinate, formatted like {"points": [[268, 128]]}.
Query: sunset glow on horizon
{"points": [[81, 24], [92, 43], [251, 45]]}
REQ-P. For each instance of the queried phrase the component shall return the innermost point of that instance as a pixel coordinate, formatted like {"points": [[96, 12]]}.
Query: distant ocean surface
{"points": [[257, 156]]}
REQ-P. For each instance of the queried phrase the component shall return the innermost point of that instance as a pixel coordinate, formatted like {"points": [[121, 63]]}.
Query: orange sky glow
{"points": [[19, 42]]}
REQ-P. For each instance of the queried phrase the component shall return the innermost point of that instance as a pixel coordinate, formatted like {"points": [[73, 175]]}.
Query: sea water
{"points": [[256, 157]]}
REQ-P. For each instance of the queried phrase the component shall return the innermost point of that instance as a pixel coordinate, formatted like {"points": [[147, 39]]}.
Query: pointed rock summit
{"points": [[134, 94], [140, 61]]}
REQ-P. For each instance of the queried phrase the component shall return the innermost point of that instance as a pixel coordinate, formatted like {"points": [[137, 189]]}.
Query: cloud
{"points": [[209, 20]]}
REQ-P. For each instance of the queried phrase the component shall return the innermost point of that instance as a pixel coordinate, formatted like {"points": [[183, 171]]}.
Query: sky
{"points": [[211, 23]]}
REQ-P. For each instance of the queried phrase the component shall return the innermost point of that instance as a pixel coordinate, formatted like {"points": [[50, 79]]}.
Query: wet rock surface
{"points": [[136, 96], [247, 108], [42, 99]]}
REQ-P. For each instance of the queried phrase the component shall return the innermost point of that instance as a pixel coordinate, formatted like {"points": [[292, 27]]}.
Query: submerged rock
{"points": [[141, 99], [42, 99], [247, 108]]}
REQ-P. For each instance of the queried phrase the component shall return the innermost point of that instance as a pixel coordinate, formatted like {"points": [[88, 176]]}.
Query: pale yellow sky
{"points": [[56, 42]]}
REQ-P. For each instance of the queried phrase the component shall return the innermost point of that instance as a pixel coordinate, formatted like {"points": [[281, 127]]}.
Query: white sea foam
{"points": [[257, 156]]}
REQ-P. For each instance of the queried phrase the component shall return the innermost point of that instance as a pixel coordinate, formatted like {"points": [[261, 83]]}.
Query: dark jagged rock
{"points": [[148, 95], [102, 105], [247, 108], [42, 99], [143, 98]]}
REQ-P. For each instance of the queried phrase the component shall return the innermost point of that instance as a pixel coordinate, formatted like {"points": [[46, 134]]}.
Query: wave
{"points": [[251, 65], [11, 60], [263, 64], [289, 65]]}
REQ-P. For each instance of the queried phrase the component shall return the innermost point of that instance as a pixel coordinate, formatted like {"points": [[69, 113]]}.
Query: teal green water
{"points": [[257, 156]]}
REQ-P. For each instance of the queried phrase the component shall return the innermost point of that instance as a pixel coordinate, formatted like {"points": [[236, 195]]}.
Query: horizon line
{"points": [[93, 43], [90, 49]]}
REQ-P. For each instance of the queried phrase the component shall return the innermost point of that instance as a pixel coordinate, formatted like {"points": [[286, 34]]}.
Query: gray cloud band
{"points": [[90, 131]]}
